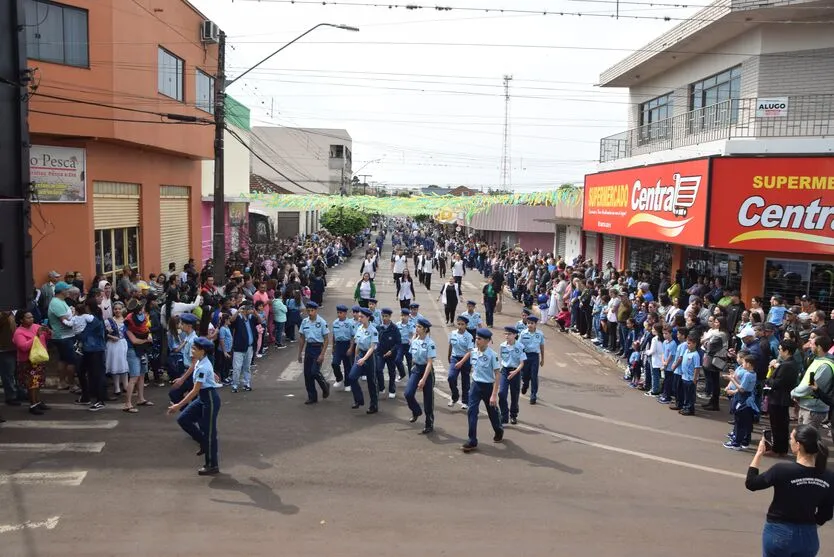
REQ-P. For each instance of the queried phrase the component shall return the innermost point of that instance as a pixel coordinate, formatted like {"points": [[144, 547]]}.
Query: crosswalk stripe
{"points": [[468, 285], [59, 424], [71, 406], [44, 478], [52, 447], [292, 372]]}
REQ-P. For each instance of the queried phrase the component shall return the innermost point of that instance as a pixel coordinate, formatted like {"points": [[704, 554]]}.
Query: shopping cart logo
{"points": [[666, 206]]}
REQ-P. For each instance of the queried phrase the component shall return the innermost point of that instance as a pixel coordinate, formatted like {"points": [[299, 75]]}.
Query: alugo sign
{"points": [[772, 108], [773, 204], [664, 202]]}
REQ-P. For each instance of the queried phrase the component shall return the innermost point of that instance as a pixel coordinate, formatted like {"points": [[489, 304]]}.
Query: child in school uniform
{"points": [[675, 387], [635, 365], [742, 387], [670, 349], [690, 370]]}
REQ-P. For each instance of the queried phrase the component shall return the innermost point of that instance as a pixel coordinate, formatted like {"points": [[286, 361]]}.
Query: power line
{"points": [[82, 117], [260, 158], [173, 116]]}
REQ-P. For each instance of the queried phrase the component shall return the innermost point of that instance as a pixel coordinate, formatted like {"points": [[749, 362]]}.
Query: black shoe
{"points": [[499, 436], [247, 388], [12, 402], [513, 421], [2, 421], [325, 390], [711, 407], [372, 410], [524, 389], [467, 448], [34, 409], [208, 471], [355, 405], [43, 406], [427, 430], [532, 401], [310, 401], [414, 418], [201, 452]]}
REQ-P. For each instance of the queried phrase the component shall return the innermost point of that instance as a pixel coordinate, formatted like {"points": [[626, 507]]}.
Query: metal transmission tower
{"points": [[506, 163]]}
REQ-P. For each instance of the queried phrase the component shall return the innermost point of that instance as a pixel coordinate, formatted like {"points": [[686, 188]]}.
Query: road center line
{"points": [[52, 447], [58, 424], [49, 524], [44, 478]]}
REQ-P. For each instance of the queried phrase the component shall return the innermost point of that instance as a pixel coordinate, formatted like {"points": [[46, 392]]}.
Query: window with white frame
{"points": [[171, 74], [205, 92], [57, 33]]}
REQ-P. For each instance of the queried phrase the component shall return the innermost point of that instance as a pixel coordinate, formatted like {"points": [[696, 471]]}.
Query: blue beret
{"points": [[356, 308], [483, 333], [512, 330], [463, 318], [471, 303], [204, 344], [386, 311], [312, 305], [341, 307], [414, 305], [533, 319], [188, 318], [372, 300], [366, 312], [425, 323], [404, 311], [526, 311]]}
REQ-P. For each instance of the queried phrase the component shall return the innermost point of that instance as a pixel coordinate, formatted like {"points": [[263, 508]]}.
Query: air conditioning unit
{"points": [[209, 32]]}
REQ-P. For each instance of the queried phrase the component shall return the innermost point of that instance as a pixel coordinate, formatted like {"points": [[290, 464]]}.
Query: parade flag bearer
{"points": [[314, 339], [486, 371], [202, 405]]}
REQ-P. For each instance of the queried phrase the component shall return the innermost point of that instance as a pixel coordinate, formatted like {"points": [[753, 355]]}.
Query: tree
{"points": [[344, 221]]}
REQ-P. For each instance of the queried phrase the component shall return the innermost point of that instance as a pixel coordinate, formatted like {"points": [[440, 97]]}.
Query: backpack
{"points": [[827, 397]]}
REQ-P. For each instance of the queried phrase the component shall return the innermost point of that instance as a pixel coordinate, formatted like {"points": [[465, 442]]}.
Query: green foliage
{"points": [[422, 218], [344, 221]]}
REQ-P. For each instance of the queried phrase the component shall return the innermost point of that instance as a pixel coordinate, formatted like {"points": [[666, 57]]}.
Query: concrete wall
{"points": [[235, 167], [536, 240]]}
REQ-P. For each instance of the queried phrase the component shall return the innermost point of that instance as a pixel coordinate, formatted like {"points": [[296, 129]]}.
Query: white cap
{"points": [[746, 331]]}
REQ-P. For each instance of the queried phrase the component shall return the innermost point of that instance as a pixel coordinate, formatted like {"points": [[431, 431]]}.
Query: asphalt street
{"points": [[594, 469]]}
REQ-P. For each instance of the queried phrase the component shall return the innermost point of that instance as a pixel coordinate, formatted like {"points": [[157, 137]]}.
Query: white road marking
{"points": [[469, 285], [49, 524], [59, 424], [70, 406], [44, 478], [52, 447], [637, 454], [292, 372]]}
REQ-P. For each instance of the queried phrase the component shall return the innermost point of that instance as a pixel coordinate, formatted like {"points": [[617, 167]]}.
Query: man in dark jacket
{"points": [[778, 390], [734, 311], [244, 335]]}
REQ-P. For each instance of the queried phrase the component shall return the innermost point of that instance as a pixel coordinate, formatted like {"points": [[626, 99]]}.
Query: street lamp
{"points": [[220, 84]]}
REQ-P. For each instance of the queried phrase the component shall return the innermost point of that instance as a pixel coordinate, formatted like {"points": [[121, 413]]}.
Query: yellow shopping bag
{"points": [[38, 354]]}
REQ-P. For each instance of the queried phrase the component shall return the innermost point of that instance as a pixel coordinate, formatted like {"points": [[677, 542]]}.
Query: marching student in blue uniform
{"points": [[313, 345], [202, 405], [406, 328], [415, 314], [343, 329], [512, 362], [521, 324], [365, 340], [486, 372], [460, 348], [423, 351], [183, 383], [376, 318], [389, 342], [474, 318], [532, 341]]}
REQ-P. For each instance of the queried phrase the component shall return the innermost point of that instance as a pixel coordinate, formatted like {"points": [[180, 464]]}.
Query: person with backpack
{"points": [[817, 380]]}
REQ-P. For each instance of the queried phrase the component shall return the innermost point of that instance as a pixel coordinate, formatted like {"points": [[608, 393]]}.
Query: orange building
{"points": [[118, 183]]}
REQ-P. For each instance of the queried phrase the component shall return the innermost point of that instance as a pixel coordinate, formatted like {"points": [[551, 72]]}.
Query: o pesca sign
{"points": [[663, 202], [773, 204]]}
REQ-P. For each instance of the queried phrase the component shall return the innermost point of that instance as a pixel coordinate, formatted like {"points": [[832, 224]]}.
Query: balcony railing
{"points": [[806, 116]]}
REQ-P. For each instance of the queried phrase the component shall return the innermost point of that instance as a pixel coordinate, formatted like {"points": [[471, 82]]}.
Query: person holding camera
{"points": [[778, 391], [803, 495]]}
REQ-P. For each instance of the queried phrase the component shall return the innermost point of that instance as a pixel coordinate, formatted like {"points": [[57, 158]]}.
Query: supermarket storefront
{"points": [[779, 211]]}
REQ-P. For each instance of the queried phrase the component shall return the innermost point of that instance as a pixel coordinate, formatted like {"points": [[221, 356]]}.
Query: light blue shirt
{"points": [[204, 374], [186, 349], [520, 326], [415, 318], [512, 355], [690, 362], [777, 315], [474, 319], [314, 331], [364, 338], [343, 330], [377, 317], [484, 365], [461, 343], [225, 339], [531, 342], [406, 331], [423, 350], [670, 349], [681, 350], [354, 325]]}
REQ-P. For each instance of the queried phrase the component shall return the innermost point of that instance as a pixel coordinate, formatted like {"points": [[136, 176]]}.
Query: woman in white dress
{"points": [[115, 354]]}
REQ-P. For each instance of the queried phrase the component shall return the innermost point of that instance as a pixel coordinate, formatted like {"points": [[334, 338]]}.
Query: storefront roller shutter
{"points": [[115, 205], [175, 225], [609, 250], [591, 246], [561, 240]]}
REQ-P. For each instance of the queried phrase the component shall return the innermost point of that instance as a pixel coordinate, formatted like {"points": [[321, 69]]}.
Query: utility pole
{"points": [[364, 182], [506, 163], [219, 216]]}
